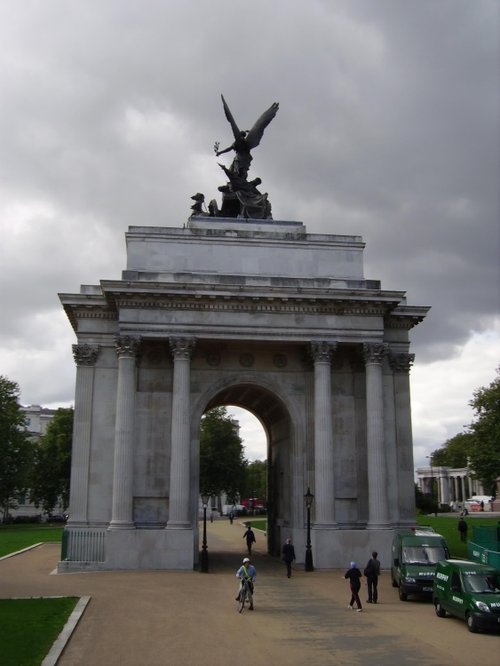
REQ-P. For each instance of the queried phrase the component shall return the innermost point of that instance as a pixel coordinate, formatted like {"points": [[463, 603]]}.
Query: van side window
{"points": [[455, 582]]}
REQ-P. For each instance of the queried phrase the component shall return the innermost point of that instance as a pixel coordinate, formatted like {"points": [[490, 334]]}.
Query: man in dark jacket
{"points": [[372, 572], [288, 556], [250, 537], [462, 528]]}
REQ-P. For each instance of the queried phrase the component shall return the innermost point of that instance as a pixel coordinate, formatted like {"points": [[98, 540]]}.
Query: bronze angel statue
{"points": [[245, 140]]}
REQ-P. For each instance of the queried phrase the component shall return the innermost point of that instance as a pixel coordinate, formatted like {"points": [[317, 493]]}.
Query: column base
{"points": [[325, 526], [178, 525], [379, 526], [121, 525]]}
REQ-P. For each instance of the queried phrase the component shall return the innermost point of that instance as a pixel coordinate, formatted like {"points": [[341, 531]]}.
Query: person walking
{"points": [[372, 572], [354, 576], [288, 556], [250, 537], [246, 572], [462, 528]]}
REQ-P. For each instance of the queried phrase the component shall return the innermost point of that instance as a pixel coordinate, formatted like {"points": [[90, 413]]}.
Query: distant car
{"points": [[57, 518]]}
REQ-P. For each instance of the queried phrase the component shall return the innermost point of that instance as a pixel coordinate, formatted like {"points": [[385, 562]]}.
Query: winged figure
{"points": [[245, 140]]}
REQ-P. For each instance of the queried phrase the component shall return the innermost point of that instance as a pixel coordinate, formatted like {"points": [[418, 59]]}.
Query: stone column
{"points": [[401, 364], [85, 358], [178, 516], [377, 473], [127, 349], [324, 477]]}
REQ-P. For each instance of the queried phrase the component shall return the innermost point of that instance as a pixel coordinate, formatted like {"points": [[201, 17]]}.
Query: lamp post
{"points": [[204, 553], [308, 498]]}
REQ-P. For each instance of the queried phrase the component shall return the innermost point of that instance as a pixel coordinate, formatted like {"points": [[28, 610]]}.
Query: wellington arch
{"points": [[255, 313]]}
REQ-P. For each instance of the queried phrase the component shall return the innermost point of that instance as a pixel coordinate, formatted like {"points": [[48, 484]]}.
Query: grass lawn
{"points": [[447, 526], [28, 628], [17, 537], [257, 523]]}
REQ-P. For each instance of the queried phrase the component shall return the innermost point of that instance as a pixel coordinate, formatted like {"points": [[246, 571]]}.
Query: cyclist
{"points": [[246, 572]]}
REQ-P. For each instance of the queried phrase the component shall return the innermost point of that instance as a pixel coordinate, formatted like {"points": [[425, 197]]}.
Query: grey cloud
{"points": [[388, 128]]}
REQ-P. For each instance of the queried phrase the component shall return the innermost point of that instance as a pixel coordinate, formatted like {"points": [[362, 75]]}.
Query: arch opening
{"points": [[277, 425]]}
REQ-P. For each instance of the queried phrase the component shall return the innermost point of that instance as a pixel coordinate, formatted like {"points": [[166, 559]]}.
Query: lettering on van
{"points": [[459, 600], [442, 576], [495, 604]]}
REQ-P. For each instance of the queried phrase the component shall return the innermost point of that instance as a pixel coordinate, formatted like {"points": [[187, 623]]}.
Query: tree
{"points": [[222, 463], [485, 430], [255, 482], [454, 452], [15, 448], [52, 463]]}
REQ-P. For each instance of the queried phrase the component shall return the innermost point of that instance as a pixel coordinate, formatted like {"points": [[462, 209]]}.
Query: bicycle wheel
{"points": [[250, 598], [243, 594]]}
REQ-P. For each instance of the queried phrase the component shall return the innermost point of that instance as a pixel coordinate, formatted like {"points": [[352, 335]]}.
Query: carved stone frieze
{"points": [[247, 360], [85, 354], [401, 362], [213, 359], [374, 352], [280, 360]]}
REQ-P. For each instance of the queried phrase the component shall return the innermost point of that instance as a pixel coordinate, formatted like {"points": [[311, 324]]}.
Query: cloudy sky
{"points": [[388, 128]]}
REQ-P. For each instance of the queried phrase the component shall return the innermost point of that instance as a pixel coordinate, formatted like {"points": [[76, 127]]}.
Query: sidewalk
{"points": [[186, 618]]}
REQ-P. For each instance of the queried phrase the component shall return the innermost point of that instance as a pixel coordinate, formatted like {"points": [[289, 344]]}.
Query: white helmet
{"points": [[245, 560]]}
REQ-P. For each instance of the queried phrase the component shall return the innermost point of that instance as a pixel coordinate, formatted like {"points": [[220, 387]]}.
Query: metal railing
{"points": [[83, 545]]}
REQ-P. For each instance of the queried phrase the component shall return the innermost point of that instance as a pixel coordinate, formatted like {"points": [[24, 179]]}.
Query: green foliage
{"points": [[479, 448], [485, 454], [52, 462], [255, 481], [425, 503], [29, 627], [454, 452], [15, 448], [222, 463]]}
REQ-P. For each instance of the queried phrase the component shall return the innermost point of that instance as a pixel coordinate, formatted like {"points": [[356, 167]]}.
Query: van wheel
{"points": [[471, 623], [394, 584], [440, 611], [402, 594]]}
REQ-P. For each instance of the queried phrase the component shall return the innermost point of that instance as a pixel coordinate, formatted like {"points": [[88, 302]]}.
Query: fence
{"points": [[86, 545]]}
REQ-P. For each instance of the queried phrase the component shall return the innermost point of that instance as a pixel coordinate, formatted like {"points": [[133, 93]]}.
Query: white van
{"points": [[474, 503]]}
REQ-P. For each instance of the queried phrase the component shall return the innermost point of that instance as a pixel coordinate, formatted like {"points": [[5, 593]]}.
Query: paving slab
{"points": [[172, 618]]}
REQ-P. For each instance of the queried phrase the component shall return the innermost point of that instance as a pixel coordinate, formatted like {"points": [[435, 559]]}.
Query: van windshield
{"points": [[423, 554], [481, 584]]}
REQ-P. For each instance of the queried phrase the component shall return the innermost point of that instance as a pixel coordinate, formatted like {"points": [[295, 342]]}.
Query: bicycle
{"points": [[245, 593]]}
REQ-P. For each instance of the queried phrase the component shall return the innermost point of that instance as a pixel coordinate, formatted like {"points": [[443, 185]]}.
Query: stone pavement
{"points": [[160, 618]]}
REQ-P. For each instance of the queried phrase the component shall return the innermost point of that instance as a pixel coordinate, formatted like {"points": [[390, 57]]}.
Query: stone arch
{"points": [[280, 417], [264, 315]]}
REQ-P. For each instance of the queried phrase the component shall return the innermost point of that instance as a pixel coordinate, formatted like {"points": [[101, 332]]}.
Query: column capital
{"points": [[401, 362], [85, 354], [127, 345], [374, 352], [182, 348], [322, 351]]}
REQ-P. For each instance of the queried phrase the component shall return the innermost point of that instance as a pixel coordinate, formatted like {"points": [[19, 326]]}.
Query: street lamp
{"points": [[432, 486], [308, 498], [204, 553]]}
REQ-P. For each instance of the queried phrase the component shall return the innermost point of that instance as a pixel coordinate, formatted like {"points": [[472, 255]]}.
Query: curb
{"points": [[61, 641]]}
